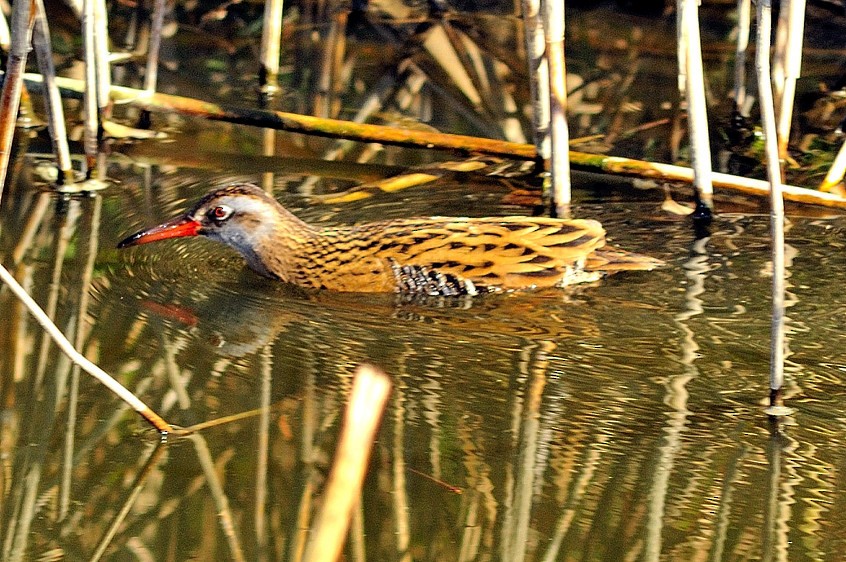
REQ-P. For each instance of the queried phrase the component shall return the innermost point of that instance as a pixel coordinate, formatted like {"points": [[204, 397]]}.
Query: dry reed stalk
{"points": [[768, 119], [82, 332], [837, 170], [271, 43], [263, 452], [538, 76], [413, 138], [438, 45], [103, 66], [53, 101], [221, 500], [366, 403], [151, 72], [5, 33], [23, 20], [744, 22], [559, 167], [152, 417], [694, 92], [792, 70], [92, 120], [156, 453]]}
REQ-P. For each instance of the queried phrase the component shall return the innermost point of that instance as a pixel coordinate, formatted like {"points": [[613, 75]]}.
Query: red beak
{"points": [[178, 227]]}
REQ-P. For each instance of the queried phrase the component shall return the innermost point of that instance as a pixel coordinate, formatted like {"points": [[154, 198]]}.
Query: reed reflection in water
{"points": [[618, 421]]}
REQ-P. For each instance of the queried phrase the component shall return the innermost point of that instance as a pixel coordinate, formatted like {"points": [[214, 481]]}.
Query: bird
{"points": [[434, 256]]}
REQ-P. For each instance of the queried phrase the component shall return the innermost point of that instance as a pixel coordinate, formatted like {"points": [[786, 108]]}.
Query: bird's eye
{"points": [[220, 213]]}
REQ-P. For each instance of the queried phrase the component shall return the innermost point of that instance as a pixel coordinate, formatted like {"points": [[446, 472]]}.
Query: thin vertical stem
{"points": [[697, 109], [764, 14], [221, 501], [792, 70], [271, 41], [101, 46], [262, 452], [23, 20], [53, 100], [744, 23], [559, 135], [91, 113], [156, 452], [779, 52], [538, 76], [81, 335], [151, 73]]}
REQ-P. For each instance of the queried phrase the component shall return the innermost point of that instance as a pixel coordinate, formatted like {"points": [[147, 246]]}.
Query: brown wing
{"points": [[497, 253]]}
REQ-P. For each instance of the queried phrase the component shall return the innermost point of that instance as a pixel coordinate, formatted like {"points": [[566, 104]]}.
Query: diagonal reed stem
{"points": [[121, 391]]}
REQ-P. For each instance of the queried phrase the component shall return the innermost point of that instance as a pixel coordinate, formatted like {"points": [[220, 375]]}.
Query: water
{"points": [[618, 421]]}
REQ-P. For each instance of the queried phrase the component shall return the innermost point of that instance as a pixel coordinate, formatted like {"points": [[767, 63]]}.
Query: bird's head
{"points": [[237, 215]]}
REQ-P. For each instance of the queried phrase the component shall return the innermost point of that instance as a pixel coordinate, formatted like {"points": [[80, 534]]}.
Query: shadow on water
{"points": [[617, 421]]}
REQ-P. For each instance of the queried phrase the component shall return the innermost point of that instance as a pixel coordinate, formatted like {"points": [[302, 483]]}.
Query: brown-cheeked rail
{"points": [[427, 256]]}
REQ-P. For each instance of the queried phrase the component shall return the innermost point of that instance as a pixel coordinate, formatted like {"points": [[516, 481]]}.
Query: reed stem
{"points": [[23, 20], [837, 170], [53, 100], [91, 115], [744, 23], [271, 42], [538, 76], [155, 420], [151, 73], [364, 411], [559, 135], [697, 107], [792, 70], [768, 119]]}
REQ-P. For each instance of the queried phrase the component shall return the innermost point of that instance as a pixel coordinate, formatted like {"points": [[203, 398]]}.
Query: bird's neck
{"points": [[290, 250]]}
